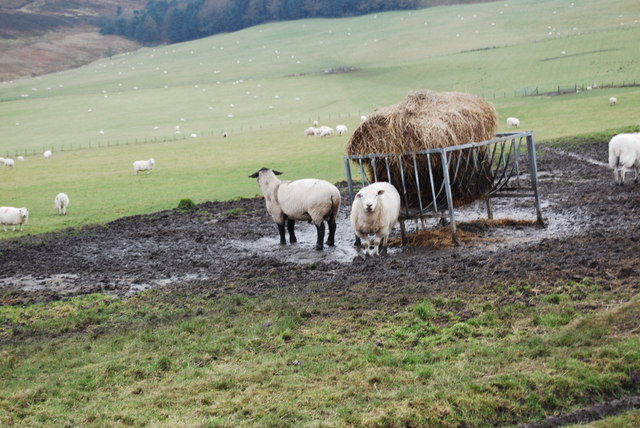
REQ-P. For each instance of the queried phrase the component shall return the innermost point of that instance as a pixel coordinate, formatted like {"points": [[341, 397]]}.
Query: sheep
{"points": [[61, 203], [613, 101], [47, 154], [2, 161], [9, 162], [20, 158], [310, 131], [341, 129], [326, 131], [143, 165], [624, 155], [513, 122], [308, 199], [13, 216], [375, 210]]}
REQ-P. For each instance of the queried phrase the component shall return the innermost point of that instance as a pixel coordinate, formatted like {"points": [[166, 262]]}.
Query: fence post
{"points": [[447, 186]]}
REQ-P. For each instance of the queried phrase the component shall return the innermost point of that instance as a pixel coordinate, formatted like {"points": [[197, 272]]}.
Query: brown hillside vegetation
{"points": [[38, 38]]}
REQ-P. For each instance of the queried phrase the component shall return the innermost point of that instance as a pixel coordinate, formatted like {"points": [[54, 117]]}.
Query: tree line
{"points": [[172, 21]]}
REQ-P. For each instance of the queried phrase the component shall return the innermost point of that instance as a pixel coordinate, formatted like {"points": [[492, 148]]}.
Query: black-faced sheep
{"points": [[374, 212], [307, 199]]}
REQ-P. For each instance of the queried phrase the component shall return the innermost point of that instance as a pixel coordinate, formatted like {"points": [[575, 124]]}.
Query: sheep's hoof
{"points": [[319, 247]]}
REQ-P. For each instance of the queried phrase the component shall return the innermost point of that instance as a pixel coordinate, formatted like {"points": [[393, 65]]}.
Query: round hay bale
{"points": [[427, 119]]}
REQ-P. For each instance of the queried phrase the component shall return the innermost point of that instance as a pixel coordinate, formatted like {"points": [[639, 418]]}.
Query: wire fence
{"points": [[576, 88], [329, 119]]}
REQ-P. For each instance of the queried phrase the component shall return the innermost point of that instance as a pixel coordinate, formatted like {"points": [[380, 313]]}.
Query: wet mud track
{"points": [[232, 247]]}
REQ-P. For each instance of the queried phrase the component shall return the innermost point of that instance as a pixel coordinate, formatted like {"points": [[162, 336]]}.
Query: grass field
{"points": [[272, 80], [502, 355]]}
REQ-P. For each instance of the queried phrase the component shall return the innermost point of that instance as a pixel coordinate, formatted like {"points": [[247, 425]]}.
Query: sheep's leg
{"points": [[283, 241], [384, 242], [320, 229], [4, 226], [332, 231], [291, 226]]}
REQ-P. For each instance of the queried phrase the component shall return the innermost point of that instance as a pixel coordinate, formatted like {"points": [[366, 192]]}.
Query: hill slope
{"points": [[43, 37]]}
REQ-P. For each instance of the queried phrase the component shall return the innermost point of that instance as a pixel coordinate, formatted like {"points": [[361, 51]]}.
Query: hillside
{"points": [[42, 37]]}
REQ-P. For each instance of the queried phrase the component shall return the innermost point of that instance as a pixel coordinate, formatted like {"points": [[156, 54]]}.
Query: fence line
{"points": [[522, 92], [576, 88]]}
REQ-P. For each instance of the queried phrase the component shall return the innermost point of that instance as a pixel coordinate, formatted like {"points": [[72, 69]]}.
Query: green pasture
{"points": [[265, 84], [502, 355]]}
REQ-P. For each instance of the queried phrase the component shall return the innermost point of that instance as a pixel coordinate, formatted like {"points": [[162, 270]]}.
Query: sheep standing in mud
{"points": [[624, 155], [374, 212], [308, 199]]}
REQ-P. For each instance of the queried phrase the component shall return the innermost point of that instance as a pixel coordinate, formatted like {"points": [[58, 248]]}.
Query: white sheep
{"points": [[143, 165], [61, 203], [513, 122], [2, 161], [47, 154], [341, 129], [624, 155], [13, 216], [613, 101], [20, 158], [308, 199], [310, 131], [326, 131], [374, 212], [9, 162]]}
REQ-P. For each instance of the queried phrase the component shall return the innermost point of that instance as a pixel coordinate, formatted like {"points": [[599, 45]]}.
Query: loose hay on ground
{"points": [[467, 232]]}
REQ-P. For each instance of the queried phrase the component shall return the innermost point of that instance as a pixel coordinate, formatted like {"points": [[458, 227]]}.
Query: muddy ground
{"points": [[232, 247]]}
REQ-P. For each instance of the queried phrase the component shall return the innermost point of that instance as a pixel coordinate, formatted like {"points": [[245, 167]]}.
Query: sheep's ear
{"points": [[380, 192], [254, 175], [276, 172]]}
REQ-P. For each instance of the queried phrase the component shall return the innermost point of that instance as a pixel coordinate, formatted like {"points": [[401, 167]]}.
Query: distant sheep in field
{"points": [[47, 154], [315, 123], [341, 129], [20, 158], [13, 216], [61, 202], [513, 122], [8, 162], [143, 165], [624, 155], [613, 101], [374, 212], [308, 199], [363, 118], [310, 131], [326, 131], [2, 161]]}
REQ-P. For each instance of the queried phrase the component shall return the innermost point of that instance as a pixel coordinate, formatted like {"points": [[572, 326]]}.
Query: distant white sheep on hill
{"points": [[61, 202], [341, 129], [513, 122], [143, 165], [13, 216], [613, 101], [8, 162], [47, 154]]}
